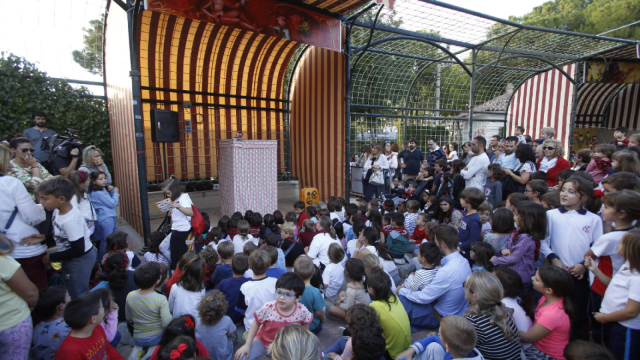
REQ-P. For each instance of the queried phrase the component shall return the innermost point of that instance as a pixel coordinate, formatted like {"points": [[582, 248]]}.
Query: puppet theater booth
{"points": [[319, 78]]}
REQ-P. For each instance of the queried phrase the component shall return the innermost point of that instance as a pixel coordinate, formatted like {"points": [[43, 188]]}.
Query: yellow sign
{"points": [[309, 196]]}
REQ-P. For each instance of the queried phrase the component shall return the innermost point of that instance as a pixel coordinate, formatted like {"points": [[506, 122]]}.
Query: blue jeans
{"points": [[421, 315], [76, 273], [116, 339], [148, 341], [104, 228], [337, 347], [317, 330]]}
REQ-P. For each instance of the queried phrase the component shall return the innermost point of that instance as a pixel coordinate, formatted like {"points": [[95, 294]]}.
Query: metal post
{"points": [[139, 130], [574, 108], [347, 113], [472, 96]]}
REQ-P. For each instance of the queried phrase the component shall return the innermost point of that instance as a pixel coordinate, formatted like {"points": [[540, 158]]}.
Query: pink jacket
{"points": [[595, 171], [111, 326]]}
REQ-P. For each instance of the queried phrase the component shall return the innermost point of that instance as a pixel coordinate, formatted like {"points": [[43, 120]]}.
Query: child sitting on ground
{"points": [[231, 287], [484, 211], [51, 332], [223, 271], [309, 232], [419, 234], [429, 257], [413, 206], [180, 329], [261, 290], [84, 315], [118, 242], [164, 277], [211, 258], [273, 241], [397, 239], [481, 253], [189, 290], [215, 329], [243, 237], [154, 254], [147, 310], [275, 315], [311, 297], [457, 340], [333, 274], [273, 271], [356, 293], [535, 189]]}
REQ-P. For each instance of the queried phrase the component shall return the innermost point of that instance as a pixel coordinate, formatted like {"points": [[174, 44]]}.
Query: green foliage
{"points": [[587, 16], [24, 89], [90, 57]]}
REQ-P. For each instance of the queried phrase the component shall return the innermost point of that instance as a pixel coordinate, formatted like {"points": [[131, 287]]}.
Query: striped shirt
{"points": [[420, 279], [492, 343], [149, 314]]}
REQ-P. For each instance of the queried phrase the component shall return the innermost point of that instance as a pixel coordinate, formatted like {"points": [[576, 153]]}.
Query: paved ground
{"points": [[331, 331]]}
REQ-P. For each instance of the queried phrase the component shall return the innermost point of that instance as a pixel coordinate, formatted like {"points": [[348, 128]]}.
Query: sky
{"points": [[50, 30]]}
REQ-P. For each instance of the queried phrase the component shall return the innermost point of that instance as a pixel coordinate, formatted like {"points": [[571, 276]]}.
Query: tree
{"points": [[24, 89], [90, 57]]}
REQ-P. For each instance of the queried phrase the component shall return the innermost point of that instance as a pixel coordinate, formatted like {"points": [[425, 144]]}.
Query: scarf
{"points": [[603, 164], [387, 229], [546, 164], [402, 230]]}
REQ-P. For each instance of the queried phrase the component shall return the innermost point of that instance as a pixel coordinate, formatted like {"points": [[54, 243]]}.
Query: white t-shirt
{"points": [[607, 245], [486, 227], [70, 227], [180, 221], [256, 293], [351, 246], [182, 302], [476, 173], [334, 216], [238, 242], [87, 211], [454, 155], [624, 285], [318, 248], [523, 322], [333, 276]]}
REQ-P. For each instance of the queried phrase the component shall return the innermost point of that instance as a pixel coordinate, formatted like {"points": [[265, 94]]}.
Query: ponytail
{"points": [[325, 222], [116, 268]]}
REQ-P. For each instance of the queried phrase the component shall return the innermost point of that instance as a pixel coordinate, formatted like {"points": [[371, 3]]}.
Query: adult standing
{"points": [[392, 159], [435, 152], [553, 161], [493, 147], [411, 160], [376, 162], [365, 150], [18, 296], [526, 166], [498, 152], [475, 173], [508, 160], [17, 203], [36, 134], [467, 154], [26, 167], [445, 295], [92, 161], [64, 165]]}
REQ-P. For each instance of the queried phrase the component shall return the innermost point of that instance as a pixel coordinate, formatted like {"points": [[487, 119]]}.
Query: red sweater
{"points": [[173, 280], [419, 235], [95, 347], [552, 174]]}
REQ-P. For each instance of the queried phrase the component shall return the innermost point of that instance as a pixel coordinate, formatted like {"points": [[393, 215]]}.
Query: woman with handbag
{"points": [[517, 179], [374, 173], [391, 152]]}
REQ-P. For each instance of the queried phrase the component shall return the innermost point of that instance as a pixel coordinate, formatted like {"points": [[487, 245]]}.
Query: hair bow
{"points": [[189, 322], [598, 193], [82, 175], [176, 354]]}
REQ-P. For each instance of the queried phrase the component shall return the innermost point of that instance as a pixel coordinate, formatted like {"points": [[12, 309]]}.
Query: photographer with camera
{"points": [[65, 152], [92, 161], [37, 134]]}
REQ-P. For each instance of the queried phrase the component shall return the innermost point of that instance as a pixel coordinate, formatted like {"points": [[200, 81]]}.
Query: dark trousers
{"points": [[624, 342], [370, 190], [580, 323], [178, 246], [597, 329], [35, 269]]}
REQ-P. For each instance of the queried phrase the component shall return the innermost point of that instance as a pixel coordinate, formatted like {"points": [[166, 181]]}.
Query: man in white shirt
{"points": [[508, 159], [476, 171]]}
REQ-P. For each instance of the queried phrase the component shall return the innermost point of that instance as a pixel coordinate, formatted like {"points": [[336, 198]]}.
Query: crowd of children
{"points": [[523, 274]]}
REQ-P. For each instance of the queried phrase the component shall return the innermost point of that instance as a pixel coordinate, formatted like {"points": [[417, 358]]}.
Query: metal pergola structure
{"points": [[422, 68]]}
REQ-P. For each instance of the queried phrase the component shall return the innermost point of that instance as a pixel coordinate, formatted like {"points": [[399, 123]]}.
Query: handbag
{"points": [[377, 179], [510, 186]]}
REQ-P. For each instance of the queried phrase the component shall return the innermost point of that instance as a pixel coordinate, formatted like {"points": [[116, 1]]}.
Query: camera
{"points": [[62, 144]]}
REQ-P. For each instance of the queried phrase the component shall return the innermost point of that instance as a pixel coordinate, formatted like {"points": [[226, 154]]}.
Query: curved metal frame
{"points": [[412, 38], [530, 57]]}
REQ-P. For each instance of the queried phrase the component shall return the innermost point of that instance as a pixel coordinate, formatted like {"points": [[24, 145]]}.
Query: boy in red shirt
{"points": [[87, 340], [275, 315], [299, 208]]}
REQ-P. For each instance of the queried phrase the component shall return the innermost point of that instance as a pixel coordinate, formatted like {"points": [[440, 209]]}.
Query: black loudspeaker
{"points": [[164, 126]]}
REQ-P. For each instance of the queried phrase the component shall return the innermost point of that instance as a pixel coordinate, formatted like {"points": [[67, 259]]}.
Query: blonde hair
{"points": [[288, 228], [294, 342], [243, 229], [549, 131], [489, 292], [5, 157], [458, 333], [557, 144], [627, 161], [371, 261], [303, 266], [87, 155]]}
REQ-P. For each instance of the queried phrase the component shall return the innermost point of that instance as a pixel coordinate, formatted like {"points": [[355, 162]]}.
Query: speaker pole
{"points": [[164, 160]]}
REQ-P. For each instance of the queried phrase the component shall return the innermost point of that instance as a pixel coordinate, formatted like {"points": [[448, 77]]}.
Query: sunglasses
{"points": [[464, 285], [549, 148], [28, 150]]}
